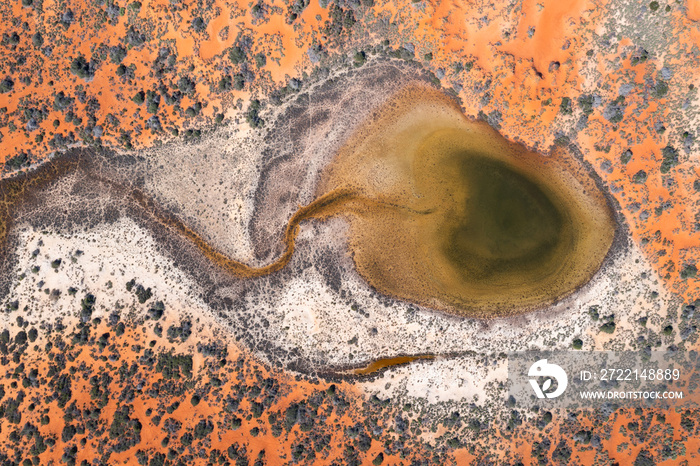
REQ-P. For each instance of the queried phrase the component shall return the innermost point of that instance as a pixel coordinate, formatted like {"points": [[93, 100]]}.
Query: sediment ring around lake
{"points": [[503, 230], [444, 212]]}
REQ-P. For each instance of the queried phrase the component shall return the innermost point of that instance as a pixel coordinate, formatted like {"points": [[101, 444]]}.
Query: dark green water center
{"points": [[508, 223]]}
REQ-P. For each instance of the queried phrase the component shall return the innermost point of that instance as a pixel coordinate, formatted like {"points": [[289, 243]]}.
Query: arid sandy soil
{"points": [[269, 360]]}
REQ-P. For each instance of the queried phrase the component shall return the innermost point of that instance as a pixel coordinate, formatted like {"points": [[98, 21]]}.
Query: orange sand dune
{"points": [[508, 54]]}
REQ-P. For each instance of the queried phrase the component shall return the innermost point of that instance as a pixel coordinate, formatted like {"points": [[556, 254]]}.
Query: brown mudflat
{"points": [[464, 220], [444, 212]]}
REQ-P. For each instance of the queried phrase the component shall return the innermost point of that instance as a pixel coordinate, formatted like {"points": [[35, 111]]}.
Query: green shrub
{"points": [[640, 177], [236, 55], [6, 85], [81, 67], [689, 271], [139, 98], [670, 158], [608, 327], [359, 59], [174, 366], [565, 106], [626, 156]]}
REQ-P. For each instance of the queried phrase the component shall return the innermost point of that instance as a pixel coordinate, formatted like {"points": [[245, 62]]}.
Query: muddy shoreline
{"points": [[223, 292], [102, 186]]}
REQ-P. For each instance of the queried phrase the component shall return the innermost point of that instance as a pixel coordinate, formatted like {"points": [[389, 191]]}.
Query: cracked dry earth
{"points": [[316, 315], [179, 224]]}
